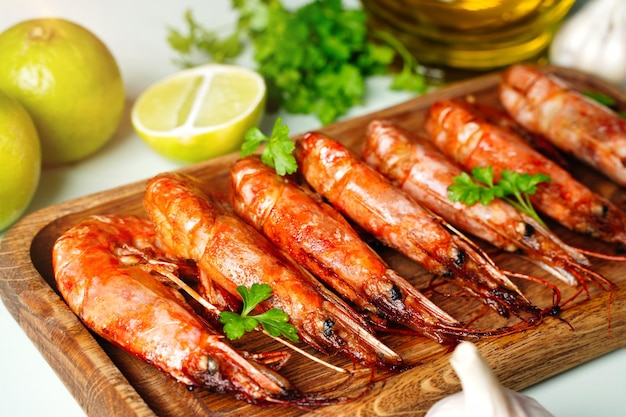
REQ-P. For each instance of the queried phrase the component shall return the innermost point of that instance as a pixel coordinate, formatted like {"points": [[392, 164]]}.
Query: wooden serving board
{"points": [[107, 381]]}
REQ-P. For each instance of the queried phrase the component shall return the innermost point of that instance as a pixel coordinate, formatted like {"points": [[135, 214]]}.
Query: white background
{"points": [[135, 32]]}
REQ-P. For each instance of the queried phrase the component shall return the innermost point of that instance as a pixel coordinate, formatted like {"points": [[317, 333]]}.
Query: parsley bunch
{"points": [[314, 59], [274, 320], [513, 187]]}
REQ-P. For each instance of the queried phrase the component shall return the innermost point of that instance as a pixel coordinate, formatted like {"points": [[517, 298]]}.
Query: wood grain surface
{"points": [[107, 381]]}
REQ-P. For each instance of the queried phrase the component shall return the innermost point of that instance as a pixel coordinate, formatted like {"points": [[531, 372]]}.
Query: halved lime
{"points": [[200, 113]]}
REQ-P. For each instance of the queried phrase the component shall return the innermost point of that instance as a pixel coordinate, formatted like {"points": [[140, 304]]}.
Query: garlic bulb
{"points": [[482, 395], [594, 40]]}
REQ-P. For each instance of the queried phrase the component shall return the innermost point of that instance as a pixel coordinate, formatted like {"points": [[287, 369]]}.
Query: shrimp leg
{"points": [[193, 225], [546, 105], [461, 134], [127, 306], [397, 220], [418, 167], [319, 238]]}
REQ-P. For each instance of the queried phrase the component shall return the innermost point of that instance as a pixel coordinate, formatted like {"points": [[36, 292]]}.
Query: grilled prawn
{"points": [[397, 220], [320, 239], [230, 253], [544, 104], [99, 271], [461, 134], [503, 119], [418, 167]]}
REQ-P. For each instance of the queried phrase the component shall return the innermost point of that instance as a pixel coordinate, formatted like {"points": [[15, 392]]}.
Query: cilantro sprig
{"points": [[513, 187], [315, 59], [278, 152], [274, 321]]}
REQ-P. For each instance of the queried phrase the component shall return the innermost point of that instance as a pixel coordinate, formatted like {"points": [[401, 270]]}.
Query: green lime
{"points": [[69, 83], [20, 160]]}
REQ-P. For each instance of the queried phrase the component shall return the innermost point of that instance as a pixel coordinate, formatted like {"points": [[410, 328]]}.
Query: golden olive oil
{"points": [[469, 35]]}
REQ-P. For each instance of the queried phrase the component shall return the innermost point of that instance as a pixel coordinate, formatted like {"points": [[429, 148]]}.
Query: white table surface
{"points": [[135, 31]]}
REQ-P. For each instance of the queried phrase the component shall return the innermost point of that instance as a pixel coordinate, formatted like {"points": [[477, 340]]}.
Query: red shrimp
{"points": [[461, 134], [501, 118], [397, 220], [194, 225], [320, 239], [413, 163], [578, 125], [115, 295]]}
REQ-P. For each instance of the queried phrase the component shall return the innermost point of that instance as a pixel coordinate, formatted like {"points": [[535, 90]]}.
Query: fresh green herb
{"points": [[605, 100], [278, 152], [513, 187], [274, 320], [409, 78], [315, 59], [600, 98], [199, 44]]}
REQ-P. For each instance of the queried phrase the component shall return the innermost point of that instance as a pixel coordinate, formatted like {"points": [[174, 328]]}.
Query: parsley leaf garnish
{"points": [[513, 187], [274, 321], [278, 152]]}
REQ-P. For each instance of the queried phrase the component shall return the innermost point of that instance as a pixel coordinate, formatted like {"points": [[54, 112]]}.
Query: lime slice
{"points": [[200, 113]]}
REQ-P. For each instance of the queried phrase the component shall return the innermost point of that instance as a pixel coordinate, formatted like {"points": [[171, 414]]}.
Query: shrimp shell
{"points": [[397, 220], [192, 224], [319, 238], [461, 134], [418, 167], [544, 104], [126, 305]]}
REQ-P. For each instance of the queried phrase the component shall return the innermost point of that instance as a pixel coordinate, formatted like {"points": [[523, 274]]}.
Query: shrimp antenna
{"points": [[158, 267], [313, 358], [619, 258]]}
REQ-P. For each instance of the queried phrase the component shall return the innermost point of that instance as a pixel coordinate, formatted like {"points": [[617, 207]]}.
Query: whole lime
{"points": [[20, 160], [69, 83]]}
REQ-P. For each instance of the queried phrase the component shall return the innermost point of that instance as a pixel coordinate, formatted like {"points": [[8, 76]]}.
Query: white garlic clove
{"points": [[482, 394], [593, 40]]}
